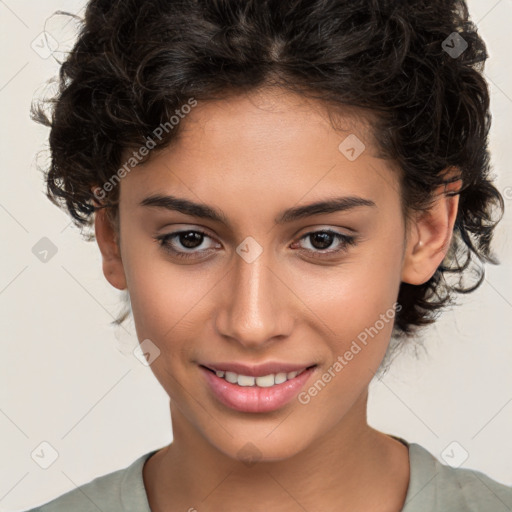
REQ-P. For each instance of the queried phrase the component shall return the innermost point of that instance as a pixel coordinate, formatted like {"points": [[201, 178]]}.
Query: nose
{"points": [[256, 309]]}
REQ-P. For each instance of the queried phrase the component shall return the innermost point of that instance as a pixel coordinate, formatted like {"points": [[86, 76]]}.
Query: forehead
{"points": [[267, 145], [271, 119]]}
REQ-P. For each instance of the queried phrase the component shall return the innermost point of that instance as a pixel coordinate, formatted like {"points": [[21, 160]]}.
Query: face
{"points": [[264, 280]]}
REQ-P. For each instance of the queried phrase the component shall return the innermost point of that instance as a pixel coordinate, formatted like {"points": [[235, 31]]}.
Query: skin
{"points": [[252, 156]]}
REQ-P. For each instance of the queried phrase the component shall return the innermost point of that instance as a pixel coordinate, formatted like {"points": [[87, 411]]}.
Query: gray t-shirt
{"points": [[432, 487]]}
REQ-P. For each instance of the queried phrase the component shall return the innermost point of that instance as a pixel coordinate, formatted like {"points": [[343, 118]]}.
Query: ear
{"points": [[430, 234], [108, 243]]}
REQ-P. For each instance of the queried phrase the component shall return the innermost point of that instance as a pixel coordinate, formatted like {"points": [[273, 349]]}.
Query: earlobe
{"points": [[430, 236], [108, 244]]}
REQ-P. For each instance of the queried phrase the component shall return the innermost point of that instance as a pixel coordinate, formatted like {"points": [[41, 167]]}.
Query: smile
{"points": [[264, 381], [265, 392]]}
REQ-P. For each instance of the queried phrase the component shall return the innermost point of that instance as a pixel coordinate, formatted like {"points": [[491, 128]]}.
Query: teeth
{"points": [[280, 378], [231, 377], [245, 380], [264, 381]]}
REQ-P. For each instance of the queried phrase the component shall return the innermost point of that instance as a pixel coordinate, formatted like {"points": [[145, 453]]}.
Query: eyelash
{"points": [[345, 241]]}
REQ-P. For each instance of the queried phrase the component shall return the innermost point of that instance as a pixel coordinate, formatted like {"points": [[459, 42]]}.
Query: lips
{"points": [[252, 393]]}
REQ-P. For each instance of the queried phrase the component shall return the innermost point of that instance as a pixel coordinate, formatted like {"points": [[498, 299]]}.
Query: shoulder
{"points": [[112, 492], [435, 486]]}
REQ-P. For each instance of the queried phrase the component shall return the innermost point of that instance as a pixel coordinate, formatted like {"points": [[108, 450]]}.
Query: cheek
{"points": [[165, 309], [352, 296], [355, 302], [163, 295], [360, 314]]}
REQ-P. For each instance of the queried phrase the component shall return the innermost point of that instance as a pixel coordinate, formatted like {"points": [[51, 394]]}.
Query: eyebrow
{"points": [[187, 207]]}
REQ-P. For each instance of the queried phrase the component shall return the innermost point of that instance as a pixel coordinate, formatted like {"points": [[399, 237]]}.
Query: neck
{"points": [[351, 467]]}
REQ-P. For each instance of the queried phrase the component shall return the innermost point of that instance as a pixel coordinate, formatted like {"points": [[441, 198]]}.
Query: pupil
{"points": [[325, 240], [189, 242]]}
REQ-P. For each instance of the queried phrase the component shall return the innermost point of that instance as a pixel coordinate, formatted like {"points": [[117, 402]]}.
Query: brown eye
{"points": [[323, 239], [190, 239], [184, 244]]}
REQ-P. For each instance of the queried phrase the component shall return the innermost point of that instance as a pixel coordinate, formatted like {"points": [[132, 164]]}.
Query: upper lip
{"points": [[257, 370]]}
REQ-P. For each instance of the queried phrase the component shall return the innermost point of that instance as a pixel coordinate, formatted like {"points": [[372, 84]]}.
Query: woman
{"points": [[282, 187]]}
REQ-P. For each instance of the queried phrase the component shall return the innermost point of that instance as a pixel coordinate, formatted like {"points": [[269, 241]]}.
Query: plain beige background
{"points": [[70, 379]]}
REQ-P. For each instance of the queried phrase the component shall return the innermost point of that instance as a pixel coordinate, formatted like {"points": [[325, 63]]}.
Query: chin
{"points": [[251, 450]]}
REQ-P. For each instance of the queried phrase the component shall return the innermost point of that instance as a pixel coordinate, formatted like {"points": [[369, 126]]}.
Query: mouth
{"points": [[264, 392]]}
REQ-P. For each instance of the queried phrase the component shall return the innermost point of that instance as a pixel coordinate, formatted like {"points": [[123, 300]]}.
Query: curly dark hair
{"points": [[136, 62]]}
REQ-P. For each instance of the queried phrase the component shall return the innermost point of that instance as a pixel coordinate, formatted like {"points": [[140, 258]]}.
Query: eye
{"points": [[323, 239], [187, 243], [190, 240]]}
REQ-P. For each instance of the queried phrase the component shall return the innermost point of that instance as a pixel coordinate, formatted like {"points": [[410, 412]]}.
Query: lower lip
{"points": [[254, 398]]}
